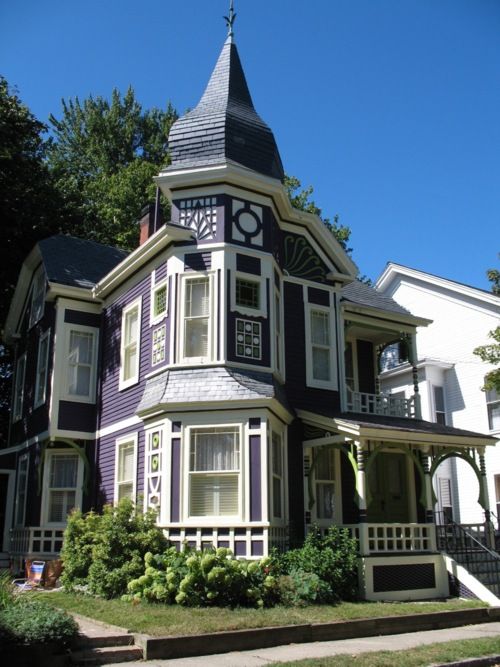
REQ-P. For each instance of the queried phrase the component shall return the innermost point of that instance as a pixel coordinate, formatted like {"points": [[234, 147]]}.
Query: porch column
{"points": [[429, 507], [489, 529], [412, 358], [361, 454]]}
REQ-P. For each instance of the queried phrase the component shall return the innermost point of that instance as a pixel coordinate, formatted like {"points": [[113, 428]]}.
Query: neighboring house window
{"points": [[493, 405], [17, 412], [277, 472], [81, 364], [159, 301], [214, 471], [125, 468], [130, 347], [37, 297], [22, 485], [439, 409], [324, 473], [320, 366], [196, 319], [62, 485], [41, 369]]}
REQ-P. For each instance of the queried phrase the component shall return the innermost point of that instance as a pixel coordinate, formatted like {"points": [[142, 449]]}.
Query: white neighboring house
{"points": [[450, 377]]}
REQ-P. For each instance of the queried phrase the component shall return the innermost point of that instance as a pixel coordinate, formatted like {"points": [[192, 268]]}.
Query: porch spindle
{"points": [[489, 529]]}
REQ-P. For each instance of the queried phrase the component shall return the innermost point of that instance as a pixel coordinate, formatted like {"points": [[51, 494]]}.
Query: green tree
{"points": [[103, 156], [490, 353], [301, 199], [29, 208]]}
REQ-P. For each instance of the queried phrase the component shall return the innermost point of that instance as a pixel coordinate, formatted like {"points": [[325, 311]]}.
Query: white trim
{"points": [[212, 309], [131, 438], [130, 422], [65, 395], [134, 378], [41, 401], [44, 511], [311, 381], [156, 319]]}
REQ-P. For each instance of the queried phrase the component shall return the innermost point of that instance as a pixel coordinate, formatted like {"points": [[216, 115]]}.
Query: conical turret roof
{"points": [[224, 124]]}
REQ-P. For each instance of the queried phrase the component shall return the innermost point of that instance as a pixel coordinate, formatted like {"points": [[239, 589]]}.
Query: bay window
{"points": [[214, 471], [196, 319], [320, 348], [81, 364]]}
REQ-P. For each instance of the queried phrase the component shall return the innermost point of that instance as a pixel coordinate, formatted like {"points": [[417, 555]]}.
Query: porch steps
{"points": [[483, 566], [100, 644]]}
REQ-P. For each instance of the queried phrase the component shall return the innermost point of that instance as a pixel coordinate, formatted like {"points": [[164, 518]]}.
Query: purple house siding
{"points": [[160, 272], [105, 464], [301, 396], [118, 405], [295, 490], [255, 479], [175, 487]]}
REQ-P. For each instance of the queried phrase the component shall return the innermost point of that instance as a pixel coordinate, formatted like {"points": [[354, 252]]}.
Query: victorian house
{"points": [[224, 373]]}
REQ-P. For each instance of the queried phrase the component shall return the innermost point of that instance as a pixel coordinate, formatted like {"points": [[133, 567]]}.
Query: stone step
{"points": [[85, 641], [106, 655]]}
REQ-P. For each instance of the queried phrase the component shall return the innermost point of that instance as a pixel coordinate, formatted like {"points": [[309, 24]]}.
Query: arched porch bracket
{"points": [[395, 448], [310, 485], [81, 454], [468, 459]]}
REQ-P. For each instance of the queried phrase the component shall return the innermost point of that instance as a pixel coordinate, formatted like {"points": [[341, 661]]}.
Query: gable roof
{"points": [[363, 295], [77, 262], [224, 125]]}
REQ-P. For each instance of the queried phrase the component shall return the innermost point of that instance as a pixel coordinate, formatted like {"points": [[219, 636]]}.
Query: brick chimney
{"points": [[147, 223]]}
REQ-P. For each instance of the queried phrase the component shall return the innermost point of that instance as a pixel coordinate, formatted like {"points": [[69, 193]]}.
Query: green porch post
{"points": [[413, 358], [361, 454], [429, 504], [489, 529]]}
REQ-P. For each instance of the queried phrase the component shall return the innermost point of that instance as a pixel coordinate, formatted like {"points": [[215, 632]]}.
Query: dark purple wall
{"points": [[255, 479], [74, 416], [105, 464]]}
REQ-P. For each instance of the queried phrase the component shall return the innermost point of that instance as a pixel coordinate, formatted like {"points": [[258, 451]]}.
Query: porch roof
{"points": [[398, 429]]}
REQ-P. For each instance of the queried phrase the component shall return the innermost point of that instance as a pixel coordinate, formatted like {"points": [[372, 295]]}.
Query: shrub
{"points": [[204, 578], [6, 590], [332, 558], [105, 552], [300, 588], [30, 621]]}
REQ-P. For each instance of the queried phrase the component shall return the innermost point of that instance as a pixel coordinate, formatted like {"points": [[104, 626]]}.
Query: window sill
{"points": [[125, 384]]}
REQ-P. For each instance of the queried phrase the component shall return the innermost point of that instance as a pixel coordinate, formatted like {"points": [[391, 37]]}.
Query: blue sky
{"points": [[389, 108]]}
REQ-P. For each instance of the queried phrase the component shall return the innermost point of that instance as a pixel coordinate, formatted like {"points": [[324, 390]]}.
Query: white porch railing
{"points": [[380, 404], [248, 540], [397, 537], [36, 540]]}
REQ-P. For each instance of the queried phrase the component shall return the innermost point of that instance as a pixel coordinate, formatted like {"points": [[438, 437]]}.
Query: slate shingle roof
{"points": [[192, 385], [364, 295], [77, 262], [225, 125]]}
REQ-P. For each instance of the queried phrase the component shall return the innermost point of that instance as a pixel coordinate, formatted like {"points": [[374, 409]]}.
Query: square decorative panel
{"points": [[248, 339], [159, 336], [199, 215]]}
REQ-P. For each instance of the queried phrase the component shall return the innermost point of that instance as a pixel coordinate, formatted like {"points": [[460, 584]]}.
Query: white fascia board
{"points": [[161, 239], [392, 271], [228, 171], [389, 315], [56, 290], [30, 264]]}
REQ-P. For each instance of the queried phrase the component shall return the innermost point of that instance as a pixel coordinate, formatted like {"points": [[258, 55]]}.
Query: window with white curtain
{"points": [[214, 471], [41, 369], [81, 364], [130, 344], [320, 347], [62, 479], [125, 469], [196, 317]]}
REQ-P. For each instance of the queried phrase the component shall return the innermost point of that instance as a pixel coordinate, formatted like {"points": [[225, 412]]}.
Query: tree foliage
{"points": [[104, 155], [301, 199], [490, 353]]}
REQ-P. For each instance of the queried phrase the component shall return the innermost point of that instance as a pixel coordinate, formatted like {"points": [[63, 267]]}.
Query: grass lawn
{"points": [[168, 620], [417, 657]]}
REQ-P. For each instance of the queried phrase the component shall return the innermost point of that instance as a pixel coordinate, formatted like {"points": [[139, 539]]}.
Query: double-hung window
{"points": [[37, 297], [62, 485], [493, 405], [41, 369], [324, 473], [81, 364], [277, 474], [214, 471], [320, 353], [18, 404], [196, 319], [130, 345], [125, 468], [439, 408]]}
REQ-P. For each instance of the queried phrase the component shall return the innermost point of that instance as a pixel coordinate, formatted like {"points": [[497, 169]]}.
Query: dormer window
{"points": [[37, 297]]}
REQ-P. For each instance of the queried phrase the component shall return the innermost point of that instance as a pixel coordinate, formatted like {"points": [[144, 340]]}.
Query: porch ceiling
{"points": [[396, 429]]}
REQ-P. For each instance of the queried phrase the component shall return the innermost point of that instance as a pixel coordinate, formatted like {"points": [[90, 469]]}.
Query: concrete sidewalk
{"points": [[260, 657]]}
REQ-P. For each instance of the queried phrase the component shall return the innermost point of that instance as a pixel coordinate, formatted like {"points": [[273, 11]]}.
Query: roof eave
{"points": [[371, 311]]}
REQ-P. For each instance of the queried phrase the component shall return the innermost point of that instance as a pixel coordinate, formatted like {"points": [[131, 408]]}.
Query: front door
{"points": [[388, 484]]}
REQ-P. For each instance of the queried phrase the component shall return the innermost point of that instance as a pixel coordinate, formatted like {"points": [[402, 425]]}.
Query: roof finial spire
{"points": [[230, 19]]}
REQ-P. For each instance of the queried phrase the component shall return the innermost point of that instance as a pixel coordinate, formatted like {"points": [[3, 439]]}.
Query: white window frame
{"points": [[155, 318], [22, 459], [19, 386], [261, 311], [91, 396], [311, 381], [42, 365], [46, 482], [120, 443], [435, 388], [208, 519], [185, 279], [37, 297], [337, 490], [134, 378], [494, 402]]}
